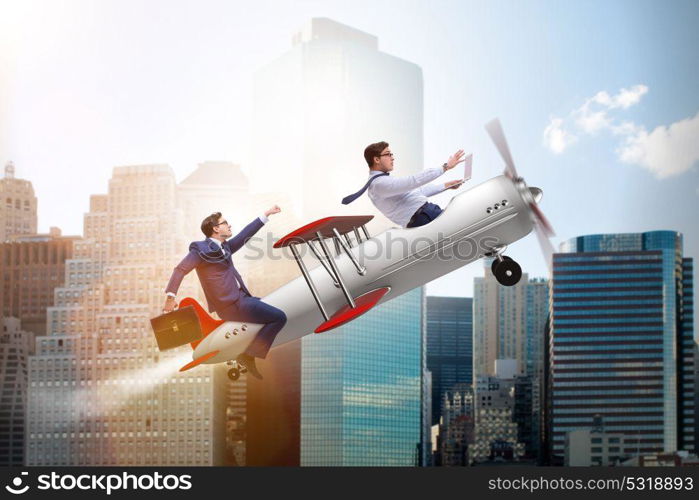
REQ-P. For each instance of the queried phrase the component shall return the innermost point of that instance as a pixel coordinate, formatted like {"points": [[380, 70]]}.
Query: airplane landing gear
{"points": [[497, 261], [506, 271], [234, 373]]}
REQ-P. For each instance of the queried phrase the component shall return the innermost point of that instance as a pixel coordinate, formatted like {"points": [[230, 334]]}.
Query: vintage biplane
{"points": [[358, 271]]}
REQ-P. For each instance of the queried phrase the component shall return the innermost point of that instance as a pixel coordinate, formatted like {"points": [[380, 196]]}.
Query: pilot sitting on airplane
{"points": [[223, 286], [403, 199]]}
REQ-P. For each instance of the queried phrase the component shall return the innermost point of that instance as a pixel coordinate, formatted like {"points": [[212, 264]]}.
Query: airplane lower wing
{"points": [[363, 304]]}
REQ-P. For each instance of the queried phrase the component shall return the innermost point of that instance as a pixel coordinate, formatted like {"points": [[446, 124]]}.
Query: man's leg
{"points": [[253, 310]]}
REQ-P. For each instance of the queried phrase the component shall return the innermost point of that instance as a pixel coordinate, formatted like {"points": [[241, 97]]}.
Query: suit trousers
{"points": [[253, 310], [424, 215]]}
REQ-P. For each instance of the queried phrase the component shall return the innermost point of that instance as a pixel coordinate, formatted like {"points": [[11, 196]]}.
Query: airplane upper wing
{"points": [[342, 223]]}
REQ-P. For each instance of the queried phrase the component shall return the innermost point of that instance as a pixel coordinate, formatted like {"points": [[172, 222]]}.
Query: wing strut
{"points": [[309, 281], [335, 228], [322, 261], [336, 271], [360, 269]]}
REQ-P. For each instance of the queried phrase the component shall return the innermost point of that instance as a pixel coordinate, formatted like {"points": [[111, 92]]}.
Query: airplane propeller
{"points": [[498, 136], [542, 226]]}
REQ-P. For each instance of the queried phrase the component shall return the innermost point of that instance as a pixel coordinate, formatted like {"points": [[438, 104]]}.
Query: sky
{"points": [[598, 99]]}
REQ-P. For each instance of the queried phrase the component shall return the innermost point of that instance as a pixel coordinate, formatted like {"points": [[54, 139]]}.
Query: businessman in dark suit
{"points": [[223, 286]]}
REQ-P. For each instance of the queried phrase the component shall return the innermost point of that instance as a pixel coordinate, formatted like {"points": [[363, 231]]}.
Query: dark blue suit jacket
{"points": [[218, 276]]}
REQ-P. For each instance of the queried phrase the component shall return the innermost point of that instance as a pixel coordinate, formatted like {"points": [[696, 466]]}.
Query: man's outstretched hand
{"points": [[453, 184], [274, 210], [455, 159]]}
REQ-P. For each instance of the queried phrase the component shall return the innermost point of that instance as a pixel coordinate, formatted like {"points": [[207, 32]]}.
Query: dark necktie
{"points": [[349, 199], [241, 284]]}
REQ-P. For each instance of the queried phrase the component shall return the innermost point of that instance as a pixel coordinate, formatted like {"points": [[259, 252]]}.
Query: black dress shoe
{"points": [[248, 362]]}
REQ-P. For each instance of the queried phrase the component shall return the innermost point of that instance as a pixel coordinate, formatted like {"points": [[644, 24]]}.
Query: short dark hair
{"points": [[207, 225], [373, 150]]}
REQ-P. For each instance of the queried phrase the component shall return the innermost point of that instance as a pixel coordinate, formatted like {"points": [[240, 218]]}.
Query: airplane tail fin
{"points": [[207, 323]]}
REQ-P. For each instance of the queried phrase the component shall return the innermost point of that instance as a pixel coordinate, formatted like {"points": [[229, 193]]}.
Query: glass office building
{"points": [[361, 388], [449, 346], [622, 340]]}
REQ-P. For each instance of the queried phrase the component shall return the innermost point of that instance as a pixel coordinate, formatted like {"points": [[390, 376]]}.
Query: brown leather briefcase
{"points": [[176, 328]]}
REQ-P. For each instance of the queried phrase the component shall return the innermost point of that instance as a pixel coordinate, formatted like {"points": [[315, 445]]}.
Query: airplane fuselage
{"points": [[399, 258]]}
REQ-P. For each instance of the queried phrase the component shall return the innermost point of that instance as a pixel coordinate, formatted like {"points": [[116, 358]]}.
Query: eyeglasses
{"points": [[387, 154], [222, 222]]}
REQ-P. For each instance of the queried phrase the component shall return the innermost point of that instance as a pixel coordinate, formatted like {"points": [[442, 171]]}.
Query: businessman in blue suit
{"points": [[224, 288]]}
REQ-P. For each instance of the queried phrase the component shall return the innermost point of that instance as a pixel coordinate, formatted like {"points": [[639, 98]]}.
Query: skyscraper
{"points": [[214, 186], [622, 339], [15, 347], [320, 104], [274, 404], [274, 410], [456, 428], [449, 346], [361, 389], [527, 415], [510, 323], [311, 115], [32, 266], [496, 432], [100, 393], [17, 205], [696, 398], [220, 186]]}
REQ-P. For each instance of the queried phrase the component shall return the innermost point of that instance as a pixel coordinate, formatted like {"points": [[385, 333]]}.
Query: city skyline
{"points": [[82, 273]]}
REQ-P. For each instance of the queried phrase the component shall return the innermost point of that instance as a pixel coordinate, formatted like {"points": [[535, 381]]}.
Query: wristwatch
{"points": [[444, 167]]}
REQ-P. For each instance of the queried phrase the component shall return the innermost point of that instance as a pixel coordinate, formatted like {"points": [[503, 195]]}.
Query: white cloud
{"points": [[593, 115], [625, 128], [666, 151], [628, 97], [591, 121], [556, 138]]}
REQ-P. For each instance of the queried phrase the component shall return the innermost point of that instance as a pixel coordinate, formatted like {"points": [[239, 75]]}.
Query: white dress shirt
{"points": [[398, 198]]}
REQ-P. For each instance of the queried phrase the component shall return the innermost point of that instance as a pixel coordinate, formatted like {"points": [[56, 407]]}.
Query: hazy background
{"points": [[598, 100]]}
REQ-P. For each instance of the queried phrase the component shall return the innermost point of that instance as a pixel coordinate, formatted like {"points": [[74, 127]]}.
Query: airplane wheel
{"points": [[496, 262], [234, 374], [508, 272]]}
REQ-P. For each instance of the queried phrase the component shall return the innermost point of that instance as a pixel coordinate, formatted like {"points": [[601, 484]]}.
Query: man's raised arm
{"points": [[388, 186], [240, 239]]}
